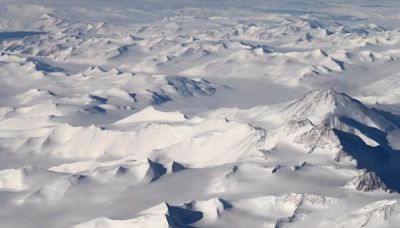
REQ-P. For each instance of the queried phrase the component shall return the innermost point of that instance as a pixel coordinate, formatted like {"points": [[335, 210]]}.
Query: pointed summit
{"points": [[151, 114], [367, 182], [322, 105], [317, 105]]}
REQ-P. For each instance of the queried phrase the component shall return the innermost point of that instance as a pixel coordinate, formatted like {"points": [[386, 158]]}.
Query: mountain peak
{"points": [[325, 95], [322, 105], [318, 104], [366, 181]]}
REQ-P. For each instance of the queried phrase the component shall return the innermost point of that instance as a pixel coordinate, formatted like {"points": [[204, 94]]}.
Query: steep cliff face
{"points": [[367, 182]]}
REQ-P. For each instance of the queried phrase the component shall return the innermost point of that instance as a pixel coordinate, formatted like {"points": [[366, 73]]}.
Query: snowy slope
{"points": [[199, 113]]}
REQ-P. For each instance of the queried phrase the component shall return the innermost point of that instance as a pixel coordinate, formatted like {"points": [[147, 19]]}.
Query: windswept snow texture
{"points": [[185, 113]]}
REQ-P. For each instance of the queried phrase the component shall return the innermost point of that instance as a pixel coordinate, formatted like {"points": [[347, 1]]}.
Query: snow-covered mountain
{"points": [[199, 114]]}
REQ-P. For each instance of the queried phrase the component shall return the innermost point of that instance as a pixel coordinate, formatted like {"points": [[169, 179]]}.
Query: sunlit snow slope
{"points": [[185, 113]]}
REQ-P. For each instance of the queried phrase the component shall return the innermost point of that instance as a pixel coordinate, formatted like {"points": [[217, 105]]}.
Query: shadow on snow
{"points": [[382, 159]]}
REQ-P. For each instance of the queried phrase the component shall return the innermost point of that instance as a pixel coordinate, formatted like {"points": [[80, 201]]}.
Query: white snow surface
{"points": [[186, 113]]}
